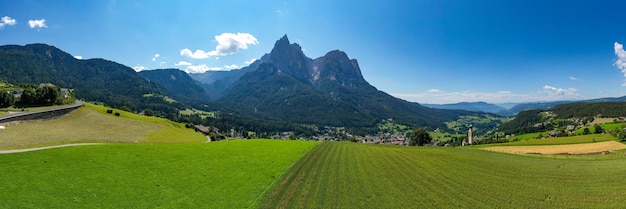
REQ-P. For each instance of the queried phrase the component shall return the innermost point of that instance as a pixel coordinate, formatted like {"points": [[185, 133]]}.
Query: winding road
{"points": [[42, 148]]}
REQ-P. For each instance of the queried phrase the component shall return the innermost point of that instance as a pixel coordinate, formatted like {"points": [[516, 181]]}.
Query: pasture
{"points": [[350, 175], [225, 174], [91, 123]]}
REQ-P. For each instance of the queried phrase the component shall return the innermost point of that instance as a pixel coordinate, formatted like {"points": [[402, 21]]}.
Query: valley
{"points": [[289, 131]]}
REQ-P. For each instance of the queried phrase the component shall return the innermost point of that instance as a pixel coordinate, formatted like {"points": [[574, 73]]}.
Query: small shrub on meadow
{"points": [[117, 114], [109, 111]]}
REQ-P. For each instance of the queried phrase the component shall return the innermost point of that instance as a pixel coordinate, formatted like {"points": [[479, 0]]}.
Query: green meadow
{"points": [[227, 174]]}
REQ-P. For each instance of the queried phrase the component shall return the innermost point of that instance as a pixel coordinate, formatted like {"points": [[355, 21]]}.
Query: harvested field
{"points": [[571, 149]]}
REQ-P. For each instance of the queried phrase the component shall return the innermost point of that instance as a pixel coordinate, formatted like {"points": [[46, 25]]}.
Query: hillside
{"points": [[177, 82], [328, 90], [535, 106], [91, 123], [92, 80], [559, 117], [547, 105]]}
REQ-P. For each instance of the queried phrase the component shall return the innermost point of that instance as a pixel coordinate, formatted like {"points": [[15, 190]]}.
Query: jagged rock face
{"points": [[290, 59], [336, 66]]}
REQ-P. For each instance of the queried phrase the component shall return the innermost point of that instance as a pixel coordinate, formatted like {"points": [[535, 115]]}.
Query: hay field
{"points": [[567, 149]]}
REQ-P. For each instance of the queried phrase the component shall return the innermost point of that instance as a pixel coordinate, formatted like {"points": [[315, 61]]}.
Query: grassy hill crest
{"points": [[92, 123]]}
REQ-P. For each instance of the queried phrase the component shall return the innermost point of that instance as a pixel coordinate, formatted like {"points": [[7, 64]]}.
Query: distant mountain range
{"points": [[471, 106], [178, 83], [511, 109], [216, 82]]}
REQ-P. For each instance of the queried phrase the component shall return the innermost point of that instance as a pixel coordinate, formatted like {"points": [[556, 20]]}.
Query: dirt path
{"points": [[571, 149], [42, 148]]}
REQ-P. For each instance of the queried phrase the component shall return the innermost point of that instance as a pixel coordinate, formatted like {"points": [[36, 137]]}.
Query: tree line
{"points": [[33, 95]]}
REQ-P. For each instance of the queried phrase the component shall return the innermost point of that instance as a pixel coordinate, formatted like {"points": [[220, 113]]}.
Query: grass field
{"points": [[92, 124], [350, 175], [226, 174], [601, 121], [285, 174], [202, 114]]}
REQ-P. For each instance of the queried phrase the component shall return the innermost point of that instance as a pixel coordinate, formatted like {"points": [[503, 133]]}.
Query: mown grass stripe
{"points": [[374, 176]]}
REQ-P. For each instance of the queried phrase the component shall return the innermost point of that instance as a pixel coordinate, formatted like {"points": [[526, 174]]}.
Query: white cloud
{"points": [[6, 20], [575, 79], [78, 57], [620, 63], [162, 63], [251, 61], [155, 57], [230, 67], [559, 92], [227, 43], [182, 63], [201, 68], [198, 54], [139, 68], [37, 23], [434, 91]]}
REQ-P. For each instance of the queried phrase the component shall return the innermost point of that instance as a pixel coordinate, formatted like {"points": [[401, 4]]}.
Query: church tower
{"points": [[470, 136]]}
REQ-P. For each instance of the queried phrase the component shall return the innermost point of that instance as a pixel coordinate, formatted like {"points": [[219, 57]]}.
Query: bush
{"points": [[6, 99], [126, 108], [598, 129], [586, 131], [117, 114], [109, 111], [148, 112]]}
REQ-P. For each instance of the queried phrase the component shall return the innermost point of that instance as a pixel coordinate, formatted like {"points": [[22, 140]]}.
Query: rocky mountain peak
{"points": [[336, 66], [283, 49], [289, 58]]}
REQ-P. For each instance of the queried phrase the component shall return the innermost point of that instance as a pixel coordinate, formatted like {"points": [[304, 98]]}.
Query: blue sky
{"points": [[421, 51]]}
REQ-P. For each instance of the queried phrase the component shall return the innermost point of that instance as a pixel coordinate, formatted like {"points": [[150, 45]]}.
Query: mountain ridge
{"points": [[328, 90], [93, 79]]}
